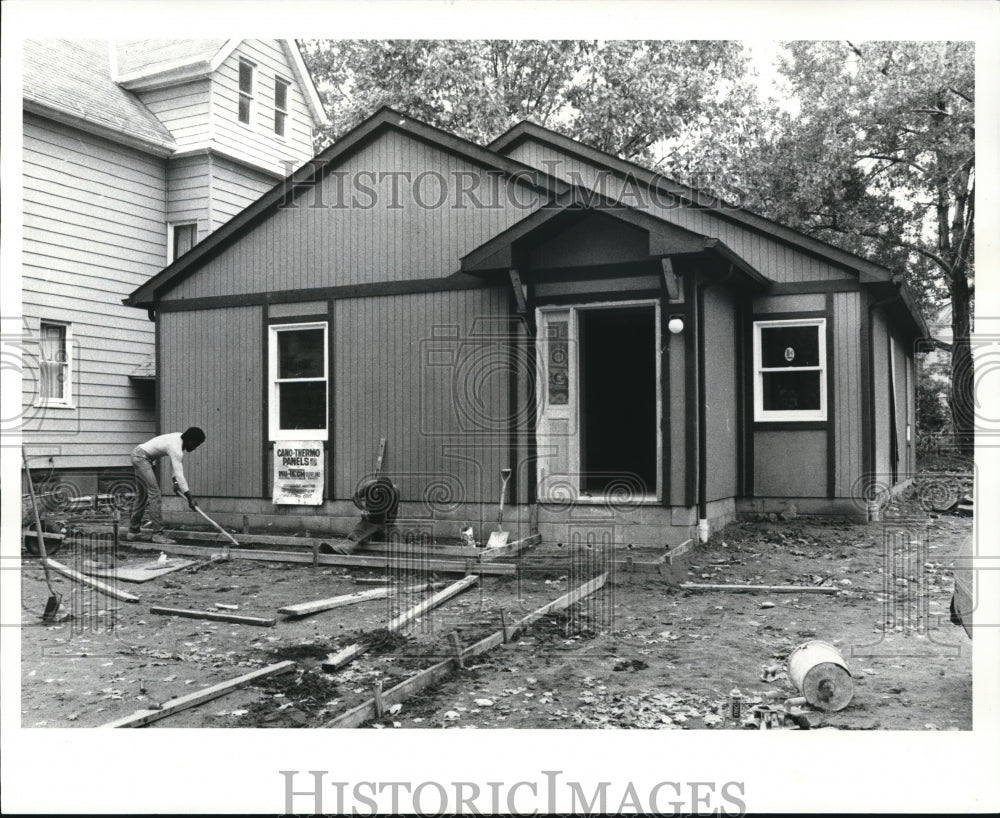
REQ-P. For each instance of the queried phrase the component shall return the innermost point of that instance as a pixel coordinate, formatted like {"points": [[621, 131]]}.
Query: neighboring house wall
{"points": [[234, 188], [184, 109], [93, 231], [256, 142]]}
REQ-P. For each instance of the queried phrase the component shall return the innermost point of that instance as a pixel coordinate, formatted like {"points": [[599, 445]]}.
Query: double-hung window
{"points": [[280, 106], [790, 370], [247, 71], [55, 364], [298, 378]]}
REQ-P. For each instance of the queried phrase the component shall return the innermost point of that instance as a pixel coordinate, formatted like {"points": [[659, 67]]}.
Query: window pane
{"points": [[301, 354], [789, 346], [53, 381], [244, 109], [281, 95], [184, 236], [53, 342], [246, 78], [791, 391], [302, 405], [279, 123]]}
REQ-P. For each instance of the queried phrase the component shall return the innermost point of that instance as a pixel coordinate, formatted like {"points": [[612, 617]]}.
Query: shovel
{"points": [[215, 525], [52, 604], [499, 537]]}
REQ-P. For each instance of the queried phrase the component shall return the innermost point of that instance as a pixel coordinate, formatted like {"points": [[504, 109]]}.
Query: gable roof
{"points": [[313, 171], [70, 81], [146, 64], [528, 131]]}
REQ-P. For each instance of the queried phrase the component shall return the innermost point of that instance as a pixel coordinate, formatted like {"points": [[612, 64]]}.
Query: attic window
{"points": [[246, 91], [790, 370], [280, 105]]}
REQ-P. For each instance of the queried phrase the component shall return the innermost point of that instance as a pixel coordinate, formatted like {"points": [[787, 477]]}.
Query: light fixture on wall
{"points": [[675, 324]]}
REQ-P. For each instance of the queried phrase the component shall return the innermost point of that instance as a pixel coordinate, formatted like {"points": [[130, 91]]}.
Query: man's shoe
{"points": [[162, 539]]}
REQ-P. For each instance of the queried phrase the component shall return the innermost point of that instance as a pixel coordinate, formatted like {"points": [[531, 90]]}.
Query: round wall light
{"points": [[675, 325]]}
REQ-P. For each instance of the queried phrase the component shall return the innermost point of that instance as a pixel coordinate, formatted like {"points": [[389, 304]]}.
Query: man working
{"points": [[147, 495]]}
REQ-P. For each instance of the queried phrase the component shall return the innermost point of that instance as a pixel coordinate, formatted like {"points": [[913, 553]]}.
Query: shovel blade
{"points": [[497, 538], [51, 608]]}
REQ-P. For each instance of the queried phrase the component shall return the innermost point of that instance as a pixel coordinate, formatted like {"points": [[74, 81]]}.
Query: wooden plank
{"points": [[769, 589], [511, 549], [215, 617], [682, 550], [366, 711], [93, 583], [143, 572], [303, 608], [143, 717], [347, 560], [337, 660]]}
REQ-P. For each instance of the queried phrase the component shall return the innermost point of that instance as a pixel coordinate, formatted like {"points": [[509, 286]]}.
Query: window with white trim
{"points": [[790, 369], [182, 236], [281, 106], [298, 378], [247, 72], [55, 364]]}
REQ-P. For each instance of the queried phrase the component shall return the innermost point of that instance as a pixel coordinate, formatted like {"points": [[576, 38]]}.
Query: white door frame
{"points": [[571, 417]]}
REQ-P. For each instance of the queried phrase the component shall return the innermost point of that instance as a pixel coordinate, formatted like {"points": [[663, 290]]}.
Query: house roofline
{"points": [[313, 171], [156, 147], [868, 271]]}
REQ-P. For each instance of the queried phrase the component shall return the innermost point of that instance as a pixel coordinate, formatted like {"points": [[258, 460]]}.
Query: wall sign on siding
{"points": [[298, 473]]}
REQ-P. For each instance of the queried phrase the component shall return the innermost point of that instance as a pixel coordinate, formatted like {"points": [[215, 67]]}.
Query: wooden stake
{"points": [[769, 589], [365, 711], [379, 703], [456, 645], [214, 616], [93, 583], [143, 717], [337, 660]]}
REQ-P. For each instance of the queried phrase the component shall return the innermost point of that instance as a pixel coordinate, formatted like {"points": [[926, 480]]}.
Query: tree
{"points": [[623, 97], [880, 160]]}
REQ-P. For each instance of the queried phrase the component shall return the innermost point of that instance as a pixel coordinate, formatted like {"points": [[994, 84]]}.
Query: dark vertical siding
{"points": [[880, 398], [417, 370], [721, 392], [847, 415], [212, 378], [318, 243]]}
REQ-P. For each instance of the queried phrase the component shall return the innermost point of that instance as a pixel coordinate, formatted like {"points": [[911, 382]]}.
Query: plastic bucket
{"points": [[818, 670]]}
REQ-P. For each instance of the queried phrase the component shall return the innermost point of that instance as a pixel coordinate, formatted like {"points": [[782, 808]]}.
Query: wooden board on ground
{"points": [[96, 584], [214, 616], [397, 695], [337, 660], [303, 608], [143, 717], [139, 572], [397, 564], [768, 589]]}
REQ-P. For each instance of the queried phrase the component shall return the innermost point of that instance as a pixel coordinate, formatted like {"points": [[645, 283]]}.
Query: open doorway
{"points": [[618, 416]]}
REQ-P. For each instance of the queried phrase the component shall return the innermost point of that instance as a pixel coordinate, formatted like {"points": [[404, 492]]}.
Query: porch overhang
{"points": [[666, 241]]}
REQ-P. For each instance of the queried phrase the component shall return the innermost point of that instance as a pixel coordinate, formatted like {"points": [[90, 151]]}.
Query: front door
{"points": [[598, 432]]}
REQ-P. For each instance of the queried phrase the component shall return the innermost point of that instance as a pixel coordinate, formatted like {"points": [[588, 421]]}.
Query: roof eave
{"points": [[157, 147]]}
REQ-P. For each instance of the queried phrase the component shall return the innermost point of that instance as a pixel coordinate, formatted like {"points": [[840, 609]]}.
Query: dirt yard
{"points": [[637, 654]]}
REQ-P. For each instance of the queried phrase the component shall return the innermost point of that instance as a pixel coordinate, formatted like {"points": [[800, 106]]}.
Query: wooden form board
{"points": [[96, 584], [337, 660], [143, 717], [768, 589], [397, 695], [142, 572], [303, 608], [348, 561], [215, 616], [511, 549]]}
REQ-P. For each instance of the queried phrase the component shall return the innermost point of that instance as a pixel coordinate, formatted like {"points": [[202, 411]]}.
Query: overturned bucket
{"points": [[818, 670]]}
